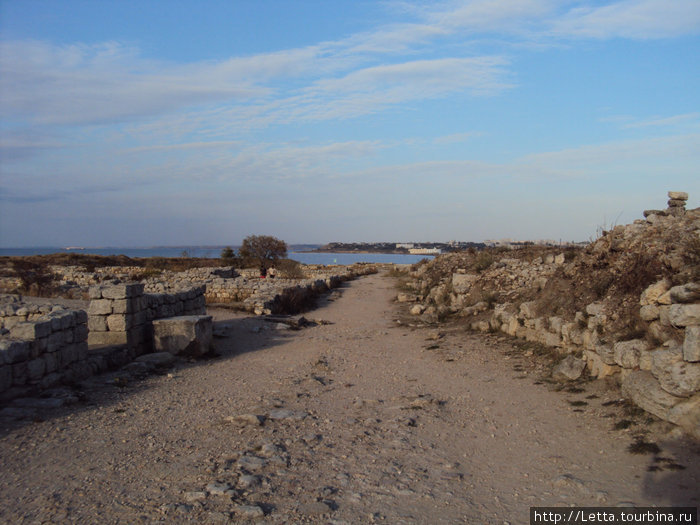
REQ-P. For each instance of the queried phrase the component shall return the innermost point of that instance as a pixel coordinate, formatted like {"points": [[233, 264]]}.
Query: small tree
{"points": [[227, 254], [262, 250]]}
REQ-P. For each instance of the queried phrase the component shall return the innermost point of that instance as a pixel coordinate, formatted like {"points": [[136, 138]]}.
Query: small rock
{"points": [[251, 462], [193, 496], [315, 508], [247, 481], [246, 419], [249, 511], [218, 489], [284, 413]]}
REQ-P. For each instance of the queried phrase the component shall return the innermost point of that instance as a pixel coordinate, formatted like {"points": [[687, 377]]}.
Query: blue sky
{"points": [[140, 123]]}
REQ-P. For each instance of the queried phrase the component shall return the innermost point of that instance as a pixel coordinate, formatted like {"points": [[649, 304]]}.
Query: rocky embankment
{"points": [[627, 306]]}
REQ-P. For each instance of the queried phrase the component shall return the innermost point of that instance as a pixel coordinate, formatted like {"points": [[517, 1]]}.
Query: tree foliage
{"points": [[263, 250]]}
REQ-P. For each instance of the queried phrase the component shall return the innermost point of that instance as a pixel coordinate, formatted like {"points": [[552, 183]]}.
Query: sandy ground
{"points": [[359, 419]]}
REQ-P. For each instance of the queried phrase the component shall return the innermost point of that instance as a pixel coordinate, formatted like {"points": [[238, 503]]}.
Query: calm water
{"points": [[215, 251]]}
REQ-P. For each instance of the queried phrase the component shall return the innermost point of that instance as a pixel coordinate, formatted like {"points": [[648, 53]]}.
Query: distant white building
{"points": [[407, 245], [425, 251]]}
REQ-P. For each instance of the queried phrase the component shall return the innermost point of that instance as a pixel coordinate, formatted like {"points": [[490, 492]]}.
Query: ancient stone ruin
{"points": [[626, 307], [45, 346]]}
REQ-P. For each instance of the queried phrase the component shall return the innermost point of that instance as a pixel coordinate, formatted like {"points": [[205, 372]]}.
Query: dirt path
{"points": [[359, 420]]}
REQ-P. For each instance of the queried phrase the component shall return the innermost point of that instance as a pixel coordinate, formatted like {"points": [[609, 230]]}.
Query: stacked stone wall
{"points": [[122, 314], [42, 352]]}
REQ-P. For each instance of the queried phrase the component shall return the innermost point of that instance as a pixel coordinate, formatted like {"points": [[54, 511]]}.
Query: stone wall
{"points": [[42, 352], [587, 304], [121, 314]]}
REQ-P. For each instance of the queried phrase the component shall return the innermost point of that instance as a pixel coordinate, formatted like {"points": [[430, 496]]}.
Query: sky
{"points": [[150, 123]]}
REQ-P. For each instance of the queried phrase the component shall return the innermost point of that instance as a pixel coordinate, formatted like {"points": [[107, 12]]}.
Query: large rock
{"points": [[629, 353], [568, 369], [462, 282], [691, 344], [684, 314], [653, 292], [678, 195], [597, 367], [686, 293], [645, 391], [675, 375], [189, 335]]}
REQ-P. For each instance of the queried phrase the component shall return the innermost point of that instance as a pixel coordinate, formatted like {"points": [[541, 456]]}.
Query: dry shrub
{"points": [[641, 271], [483, 261], [35, 278], [290, 269]]}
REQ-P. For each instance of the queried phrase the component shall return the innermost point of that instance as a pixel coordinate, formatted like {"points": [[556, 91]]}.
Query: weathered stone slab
{"points": [[597, 367], [678, 195], [568, 369], [629, 353], [686, 293], [14, 351], [100, 307], [654, 291], [106, 338], [183, 335], [645, 391], [684, 314], [691, 344], [31, 330]]}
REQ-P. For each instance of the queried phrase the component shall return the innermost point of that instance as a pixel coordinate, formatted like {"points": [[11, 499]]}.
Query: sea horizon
{"points": [[297, 252]]}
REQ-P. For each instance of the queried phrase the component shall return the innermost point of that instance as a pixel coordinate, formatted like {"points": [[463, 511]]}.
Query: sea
{"points": [[305, 257]]}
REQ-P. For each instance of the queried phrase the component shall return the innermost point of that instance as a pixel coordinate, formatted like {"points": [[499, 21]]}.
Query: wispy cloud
{"points": [[636, 19]]}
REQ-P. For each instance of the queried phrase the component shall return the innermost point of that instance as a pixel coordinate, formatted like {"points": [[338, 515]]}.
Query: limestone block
{"points": [[628, 353], [12, 351], [121, 306], [597, 367], [186, 335], [678, 195], [100, 307], [665, 298], [595, 309], [95, 292], [529, 309], [568, 369], [686, 414], [36, 368], [654, 291], [572, 334], [644, 390], [691, 344], [80, 333], [606, 353], [69, 354], [676, 376], [676, 203], [119, 322], [106, 338], [97, 323], [123, 291], [51, 361], [80, 316], [685, 314], [555, 324], [649, 312], [31, 330], [5, 377], [56, 341], [686, 293], [560, 259], [19, 373], [590, 339]]}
